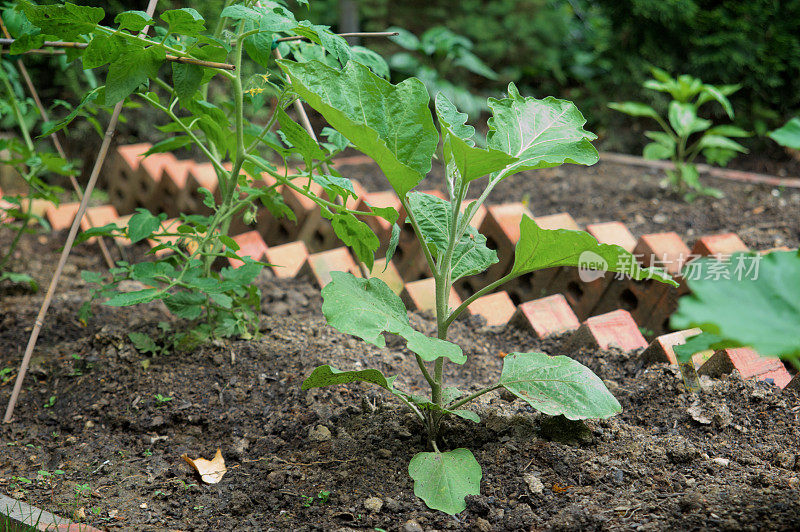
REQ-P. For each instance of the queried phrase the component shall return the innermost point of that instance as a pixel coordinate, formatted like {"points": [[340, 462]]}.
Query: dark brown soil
{"points": [[762, 215], [652, 467]]}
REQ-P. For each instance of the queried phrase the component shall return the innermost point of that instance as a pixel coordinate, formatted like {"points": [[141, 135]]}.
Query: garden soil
{"points": [[336, 458]]}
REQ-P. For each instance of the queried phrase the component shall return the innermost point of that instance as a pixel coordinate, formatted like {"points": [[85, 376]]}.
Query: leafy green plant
{"points": [[224, 303], [434, 55], [788, 135], [161, 400], [685, 134], [33, 163], [393, 125], [766, 285]]}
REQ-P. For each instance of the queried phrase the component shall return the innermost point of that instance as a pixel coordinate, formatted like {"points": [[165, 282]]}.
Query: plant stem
{"points": [[488, 288], [475, 395]]}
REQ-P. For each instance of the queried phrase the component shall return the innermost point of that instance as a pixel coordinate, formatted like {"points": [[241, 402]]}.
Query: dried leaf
{"points": [[211, 471]]}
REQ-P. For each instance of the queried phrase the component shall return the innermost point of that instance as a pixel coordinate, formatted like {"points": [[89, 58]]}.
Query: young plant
{"points": [[685, 134], [223, 303], [31, 162], [393, 125], [766, 285]]}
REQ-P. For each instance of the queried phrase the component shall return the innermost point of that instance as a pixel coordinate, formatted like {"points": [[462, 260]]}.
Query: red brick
{"points": [[561, 220], [748, 363], [721, 245], [99, 216], [794, 384], [151, 172], [36, 207], [583, 297], [661, 349], [497, 308], [319, 266], [614, 329], [546, 316], [421, 296], [287, 259], [615, 233], [388, 274], [649, 302], [122, 222], [61, 217], [131, 154], [172, 195], [250, 245], [662, 250]]}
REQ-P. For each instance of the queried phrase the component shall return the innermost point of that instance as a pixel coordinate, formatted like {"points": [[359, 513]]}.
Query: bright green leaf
{"points": [[541, 133], [132, 67], [788, 135], [751, 299], [656, 151], [126, 299], [142, 225], [546, 248], [634, 109], [184, 21], [390, 123], [454, 120], [187, 79], [103, 49], [187, 305], [473, 162], [367, 308], [443, 480], [684, 120], [718, 141], [298, 137], [557, 386], [133, 21]]}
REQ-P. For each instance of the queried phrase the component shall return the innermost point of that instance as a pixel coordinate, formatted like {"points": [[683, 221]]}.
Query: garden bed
{"points": [[724, 459]]}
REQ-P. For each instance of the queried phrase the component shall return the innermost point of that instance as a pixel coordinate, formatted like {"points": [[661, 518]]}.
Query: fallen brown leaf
{"points": [[211, 471]]}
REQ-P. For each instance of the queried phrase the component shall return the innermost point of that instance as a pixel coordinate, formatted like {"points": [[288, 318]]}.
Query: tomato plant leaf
{"points": [[367, 308], [767, 285], [133, 21], [443, 480], [184, 21], [187, 305], [132, 67], [390, 123], [143, 224], [541, 133], [125, 299], [546, 248], [557, 386]]}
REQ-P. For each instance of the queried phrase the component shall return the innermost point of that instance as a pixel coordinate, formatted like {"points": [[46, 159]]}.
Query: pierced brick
{"points": [[661, 350], [497, 308], [613, 329], [561, 220], [615, 233], [662, 250], [720, 246], [152, 170], [546, 316], [319, 266], [287, 259], [61, 217], [421, 296], [172, 192], [250, 245], [749, 364]]}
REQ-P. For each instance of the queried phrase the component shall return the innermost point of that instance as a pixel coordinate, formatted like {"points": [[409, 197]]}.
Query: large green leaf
{"points": [[546, 248], [390, 123], [330, 376], [473, 162], [297, 136], [788, 135], [751, 299], [66, 21], [443, 480], [541, 133], [557, 386], [434, 217], [367, 308]]}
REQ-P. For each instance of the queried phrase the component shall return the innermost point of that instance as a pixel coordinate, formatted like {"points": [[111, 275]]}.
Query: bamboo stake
{"points": [[82, 45], [37, 327], [58, 146]]}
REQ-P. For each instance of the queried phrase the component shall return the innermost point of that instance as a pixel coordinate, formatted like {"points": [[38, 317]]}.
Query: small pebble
{"points": [[320, 433], [412, 526], [724, 462], [373, 504], [534, 484]]}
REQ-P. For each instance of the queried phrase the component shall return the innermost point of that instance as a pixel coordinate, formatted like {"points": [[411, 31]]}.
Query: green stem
{"points": [[18, 114], [486, 289], [475, 395]]}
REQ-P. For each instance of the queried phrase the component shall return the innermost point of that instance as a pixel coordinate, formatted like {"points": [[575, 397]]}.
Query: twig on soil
{"points": [[37, 327], [57, 143]]}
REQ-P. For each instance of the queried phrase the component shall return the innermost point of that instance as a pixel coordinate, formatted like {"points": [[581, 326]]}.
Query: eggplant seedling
{"points": [[394, 126]]}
